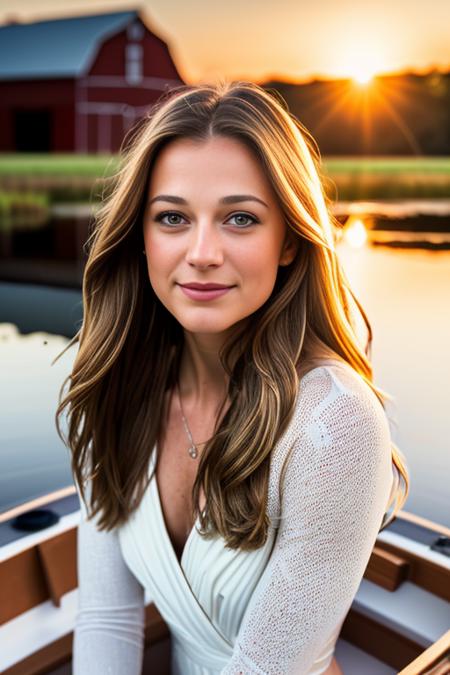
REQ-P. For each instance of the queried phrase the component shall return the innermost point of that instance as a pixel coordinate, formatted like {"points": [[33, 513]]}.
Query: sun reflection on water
{"points": [[355, 233]]}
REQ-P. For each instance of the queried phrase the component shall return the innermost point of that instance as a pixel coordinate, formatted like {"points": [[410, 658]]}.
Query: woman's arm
{"points": [[334, 493], [109, 628]]}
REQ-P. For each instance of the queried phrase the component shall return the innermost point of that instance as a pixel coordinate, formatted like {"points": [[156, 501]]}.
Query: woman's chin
{"points": [[203, 328]]}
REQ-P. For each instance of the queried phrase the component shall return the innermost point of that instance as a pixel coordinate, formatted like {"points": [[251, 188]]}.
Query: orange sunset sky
{"points": [[286, 39]]}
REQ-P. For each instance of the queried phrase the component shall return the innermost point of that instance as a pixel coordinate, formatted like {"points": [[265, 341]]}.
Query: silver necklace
{"points": [[192, 448]]}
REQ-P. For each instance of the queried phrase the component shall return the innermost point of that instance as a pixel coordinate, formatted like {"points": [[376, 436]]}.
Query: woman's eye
{"points": [[246, 217], [241, 219], [168, 214]]}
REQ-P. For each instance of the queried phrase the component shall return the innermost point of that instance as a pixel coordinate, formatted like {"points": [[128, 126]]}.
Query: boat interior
{"points": [[399, 621]]}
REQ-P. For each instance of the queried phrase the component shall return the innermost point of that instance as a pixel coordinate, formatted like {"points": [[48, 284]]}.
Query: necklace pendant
{"points": [[193, 451]]}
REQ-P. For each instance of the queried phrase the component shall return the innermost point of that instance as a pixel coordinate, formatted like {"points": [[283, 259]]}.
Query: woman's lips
{"points": [[196, 294]]}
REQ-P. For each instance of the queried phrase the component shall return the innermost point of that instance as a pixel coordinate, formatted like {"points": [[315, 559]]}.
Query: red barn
{"points": [[77, 84]]}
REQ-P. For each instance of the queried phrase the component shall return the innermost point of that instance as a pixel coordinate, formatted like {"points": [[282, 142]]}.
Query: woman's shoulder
{"points": [[333, 394], [338, 425], [333, 375]]}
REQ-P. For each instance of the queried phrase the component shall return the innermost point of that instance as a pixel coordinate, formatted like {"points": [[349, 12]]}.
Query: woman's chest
{"points": [[175, 475], [207, 590], [178, 566], [177, 470]]}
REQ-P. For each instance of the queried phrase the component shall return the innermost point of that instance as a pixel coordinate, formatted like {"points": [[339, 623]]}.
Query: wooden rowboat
{"points": [[399, 621]]}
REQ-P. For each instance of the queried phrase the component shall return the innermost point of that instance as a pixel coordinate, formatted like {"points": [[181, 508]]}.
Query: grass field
{"points": [[94, 166], [99, 165], [70, 177], [388, 165]]}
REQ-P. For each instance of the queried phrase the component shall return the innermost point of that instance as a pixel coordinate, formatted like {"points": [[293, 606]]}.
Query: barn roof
{"points": [[56, 48]]}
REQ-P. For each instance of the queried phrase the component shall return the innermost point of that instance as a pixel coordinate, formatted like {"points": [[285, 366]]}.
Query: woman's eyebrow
{"points": [[230, 199]]}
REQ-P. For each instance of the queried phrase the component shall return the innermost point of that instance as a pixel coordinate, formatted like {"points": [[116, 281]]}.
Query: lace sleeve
{"points": [[109, 626], [333, 497]]}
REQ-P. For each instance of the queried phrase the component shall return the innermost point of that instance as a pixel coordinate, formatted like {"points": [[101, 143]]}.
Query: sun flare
{"points": [[363, 62], [363, 76], [363, 72]]}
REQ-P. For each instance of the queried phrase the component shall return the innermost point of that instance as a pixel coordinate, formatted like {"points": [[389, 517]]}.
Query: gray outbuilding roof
{"points": [[56, 48]]}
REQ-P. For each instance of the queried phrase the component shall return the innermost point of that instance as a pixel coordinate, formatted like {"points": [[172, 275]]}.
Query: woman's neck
{"points": [[202, 379]]}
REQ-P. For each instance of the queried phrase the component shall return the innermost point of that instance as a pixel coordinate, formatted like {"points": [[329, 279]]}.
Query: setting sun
{"points": [[364, 69], [362, 58], [363, 76]]}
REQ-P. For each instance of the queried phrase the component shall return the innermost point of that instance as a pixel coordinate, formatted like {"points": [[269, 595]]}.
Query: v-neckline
{"points": [[178, 567], [163, 521]]}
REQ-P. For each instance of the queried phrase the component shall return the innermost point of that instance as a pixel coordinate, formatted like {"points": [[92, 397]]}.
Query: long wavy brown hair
{"points": [[115, 401]]}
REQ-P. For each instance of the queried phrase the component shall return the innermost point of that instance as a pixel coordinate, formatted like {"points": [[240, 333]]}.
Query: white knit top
{"points": [[275, 611]]}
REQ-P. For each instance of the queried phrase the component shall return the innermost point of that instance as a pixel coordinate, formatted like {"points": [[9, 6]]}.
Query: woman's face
{"points": [[212, 218]]}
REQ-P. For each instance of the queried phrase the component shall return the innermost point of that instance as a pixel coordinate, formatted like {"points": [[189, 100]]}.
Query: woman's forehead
{"points": [[219, 164]]}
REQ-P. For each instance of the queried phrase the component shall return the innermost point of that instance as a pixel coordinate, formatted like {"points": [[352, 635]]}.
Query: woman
{"points": [[223, 422]]}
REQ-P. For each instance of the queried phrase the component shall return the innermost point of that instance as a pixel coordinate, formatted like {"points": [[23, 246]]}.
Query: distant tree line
{"points": [[406, 114]]}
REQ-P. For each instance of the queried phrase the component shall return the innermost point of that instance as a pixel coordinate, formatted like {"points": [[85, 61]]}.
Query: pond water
{"points": [[33, 460], [51, 249], [405, 293]]}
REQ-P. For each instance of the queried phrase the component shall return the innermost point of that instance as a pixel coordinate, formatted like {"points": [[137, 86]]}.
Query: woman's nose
{"points": [[204, 246]]}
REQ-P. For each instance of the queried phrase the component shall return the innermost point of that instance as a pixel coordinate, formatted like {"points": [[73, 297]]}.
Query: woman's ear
{"points": [[290, 248]]}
